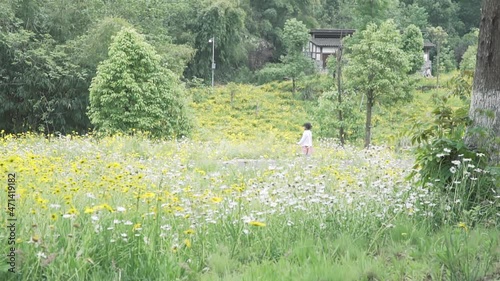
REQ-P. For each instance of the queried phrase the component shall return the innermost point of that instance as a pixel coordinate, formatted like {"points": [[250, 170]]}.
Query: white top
{"points": [[306, 139]]}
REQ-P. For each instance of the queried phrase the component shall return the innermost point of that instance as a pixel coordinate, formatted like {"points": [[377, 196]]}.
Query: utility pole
{"points": [[212, 40], [339, 89]]}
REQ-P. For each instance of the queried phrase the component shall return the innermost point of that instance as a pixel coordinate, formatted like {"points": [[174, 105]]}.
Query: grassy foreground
{"points": [[126, 208]]}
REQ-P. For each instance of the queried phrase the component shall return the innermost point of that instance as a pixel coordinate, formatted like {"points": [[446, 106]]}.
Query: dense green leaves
{"points": [[413, 45], [66, 40], [294, 63], [295, 36], [326, 114], [38, 84], [443, 13], [374, 11], [378, 67], [377, 63], [224, 22], [132, 91]]}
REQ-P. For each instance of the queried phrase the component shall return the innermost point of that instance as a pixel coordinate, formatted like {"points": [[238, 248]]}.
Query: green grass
{"points": [[238, 202], [127, 208]]}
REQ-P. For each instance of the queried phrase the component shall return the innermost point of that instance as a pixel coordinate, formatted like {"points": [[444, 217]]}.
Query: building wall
{"points": [[316, 53], [329, 50]]}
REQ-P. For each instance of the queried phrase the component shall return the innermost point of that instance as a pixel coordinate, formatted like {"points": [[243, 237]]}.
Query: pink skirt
{"points": [[307, 150]]}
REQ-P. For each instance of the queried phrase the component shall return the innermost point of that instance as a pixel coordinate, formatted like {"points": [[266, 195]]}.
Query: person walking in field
{"points": [[306, 140]]}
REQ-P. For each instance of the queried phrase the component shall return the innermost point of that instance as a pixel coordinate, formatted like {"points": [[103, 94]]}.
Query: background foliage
{"points": [[49, 50]]}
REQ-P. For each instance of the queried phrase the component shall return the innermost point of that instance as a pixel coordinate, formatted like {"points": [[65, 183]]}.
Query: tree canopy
{"points": [[377, 67], [132, 91], [49, 50]]}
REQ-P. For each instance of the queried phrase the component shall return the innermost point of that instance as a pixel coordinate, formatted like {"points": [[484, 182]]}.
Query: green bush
{"points": [[328, 118], [444, 162], [271, 72], [132, 91]]}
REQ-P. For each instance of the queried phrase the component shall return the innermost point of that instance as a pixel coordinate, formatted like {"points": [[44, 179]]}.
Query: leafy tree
{"points": [[443, 13], [337, 13], [447, 59], [460, 45], [377, 67], [271, 72], [295, 66], [374, 11], [65, 19], [91, 48], [295, 37], [351, 123], [133, 91], [413, 45], [413, 14], [38, 81], [266, 18], [469, 13], [439, 37], [179, 18], [468, 62], [225, 22], [155, 19]]}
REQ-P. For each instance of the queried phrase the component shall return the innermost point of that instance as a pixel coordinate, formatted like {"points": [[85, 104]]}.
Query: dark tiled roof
{"points": [[428, 44], [326, 42], [333, 32]]}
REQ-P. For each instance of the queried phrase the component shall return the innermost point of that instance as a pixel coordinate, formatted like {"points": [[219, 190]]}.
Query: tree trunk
{"points": [[438, 63], [233, 92], [339, 86], [368, 125], [484, 111], [293, 86]]}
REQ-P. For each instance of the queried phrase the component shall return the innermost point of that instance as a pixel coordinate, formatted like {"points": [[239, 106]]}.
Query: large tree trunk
{"points": [[368, 125], [485, 104]]}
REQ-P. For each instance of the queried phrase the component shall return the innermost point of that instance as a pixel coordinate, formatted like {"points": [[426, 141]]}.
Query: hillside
{"points": [[270, 112], [246, 112]]}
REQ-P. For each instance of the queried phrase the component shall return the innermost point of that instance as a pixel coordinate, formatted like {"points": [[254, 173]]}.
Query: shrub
{"points": [[133, 91], [443, 161], [327, 116], [271, 72]]}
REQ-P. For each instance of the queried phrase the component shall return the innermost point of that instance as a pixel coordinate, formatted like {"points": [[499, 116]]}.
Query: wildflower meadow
{"points": [[238, 201], [131, 208], [160, 140]]}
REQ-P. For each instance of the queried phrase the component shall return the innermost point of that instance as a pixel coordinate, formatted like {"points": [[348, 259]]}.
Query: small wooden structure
{"points": [[325, 42], [427, 67]]}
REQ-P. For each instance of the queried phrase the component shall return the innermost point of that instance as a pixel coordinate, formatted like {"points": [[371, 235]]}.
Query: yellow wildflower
{"points": [[216, 200], [148, 195], [463, 225], [257, 223], [107, 207]]}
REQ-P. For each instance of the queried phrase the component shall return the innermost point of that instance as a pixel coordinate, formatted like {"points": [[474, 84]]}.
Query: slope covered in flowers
{"points": [[127, 208], [246, 112]]}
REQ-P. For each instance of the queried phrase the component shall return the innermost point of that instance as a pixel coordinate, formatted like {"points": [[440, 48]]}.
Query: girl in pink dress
{"points": [[306, 140]]}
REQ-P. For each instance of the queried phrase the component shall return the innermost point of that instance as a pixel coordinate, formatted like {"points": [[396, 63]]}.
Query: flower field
{"points": [[128, 208]]}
